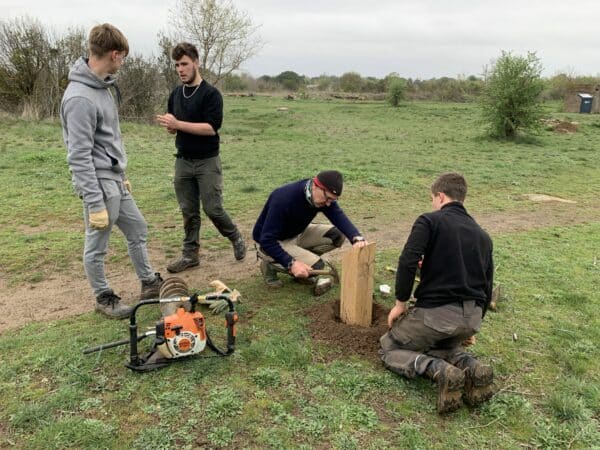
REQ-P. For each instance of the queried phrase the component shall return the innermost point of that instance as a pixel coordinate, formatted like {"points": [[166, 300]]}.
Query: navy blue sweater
{"points": [[287, 213], [457, 259]]}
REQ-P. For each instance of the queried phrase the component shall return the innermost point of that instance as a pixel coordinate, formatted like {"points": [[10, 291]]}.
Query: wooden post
{"points": [[356, 304]]}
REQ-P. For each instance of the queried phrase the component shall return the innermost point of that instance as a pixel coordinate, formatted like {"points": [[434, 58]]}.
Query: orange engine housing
{"points": [[184, 334]]}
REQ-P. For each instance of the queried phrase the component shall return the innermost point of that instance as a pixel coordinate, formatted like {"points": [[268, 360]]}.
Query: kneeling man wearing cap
{"points": [[287, 239]]}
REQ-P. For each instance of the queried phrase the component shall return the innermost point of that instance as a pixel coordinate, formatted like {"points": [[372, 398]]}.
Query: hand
{"points": [[359, 244], [98, 220], [168, 121], [469, 341], [127, 185], [398, 310], [300, 270]]}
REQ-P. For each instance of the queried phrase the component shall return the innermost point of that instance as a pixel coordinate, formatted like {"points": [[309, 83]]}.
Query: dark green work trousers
{"points": [[200, 182], [425, 334]]}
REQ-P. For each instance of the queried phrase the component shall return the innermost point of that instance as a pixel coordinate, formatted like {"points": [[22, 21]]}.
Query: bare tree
{"points": [[142, 89], [34, 64], [225, 36], [165, 64], [24, 49]]}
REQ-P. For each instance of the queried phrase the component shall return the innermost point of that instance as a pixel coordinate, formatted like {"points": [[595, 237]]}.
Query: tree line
{"points": [[35, 62]]}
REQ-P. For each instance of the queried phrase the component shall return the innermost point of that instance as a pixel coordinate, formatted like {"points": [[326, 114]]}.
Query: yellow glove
{"points": [[127, 184], [99, 220]]}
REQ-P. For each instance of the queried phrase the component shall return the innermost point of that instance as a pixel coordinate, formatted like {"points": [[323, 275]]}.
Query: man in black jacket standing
{"points": [[452, 298], [195, 114]]}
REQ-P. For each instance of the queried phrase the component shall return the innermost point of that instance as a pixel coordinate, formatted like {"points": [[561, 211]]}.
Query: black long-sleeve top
{"points": [[287, 213], [457, 260], [203, 106]]}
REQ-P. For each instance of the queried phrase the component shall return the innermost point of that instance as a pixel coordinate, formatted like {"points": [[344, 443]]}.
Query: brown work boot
{"points": [[479, 381], [450, 381], [239, 247], [151, 289], [269, 274], [182, 263], [109, 304]]}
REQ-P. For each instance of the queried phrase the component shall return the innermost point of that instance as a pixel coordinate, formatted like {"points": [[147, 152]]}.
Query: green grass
{"points": [[388, 155], [280, 389]]}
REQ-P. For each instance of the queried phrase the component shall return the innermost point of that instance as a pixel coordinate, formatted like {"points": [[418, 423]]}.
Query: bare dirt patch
{"points": [[547, 198], [327, 327], [68, 294], [561, 126]]}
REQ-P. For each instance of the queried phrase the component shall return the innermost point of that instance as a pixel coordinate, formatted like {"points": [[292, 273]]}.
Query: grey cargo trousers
{"points": [[124, 213], [425, 334]]}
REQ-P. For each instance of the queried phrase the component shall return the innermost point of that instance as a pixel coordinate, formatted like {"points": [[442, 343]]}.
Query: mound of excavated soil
{"points": [[561, 126], [326, 327]]}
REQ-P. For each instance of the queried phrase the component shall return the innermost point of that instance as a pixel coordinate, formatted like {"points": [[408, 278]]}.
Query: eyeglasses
{"points": [[327, 197]]}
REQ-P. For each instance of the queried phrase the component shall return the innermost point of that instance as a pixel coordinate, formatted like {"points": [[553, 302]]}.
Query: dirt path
{"points": [[64, 295]]}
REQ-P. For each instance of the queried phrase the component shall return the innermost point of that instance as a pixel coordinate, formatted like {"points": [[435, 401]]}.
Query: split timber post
{"points": [[356, 304]]}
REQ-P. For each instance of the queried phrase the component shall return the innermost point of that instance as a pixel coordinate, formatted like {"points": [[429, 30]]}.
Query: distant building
{"points": [[572, 102]]}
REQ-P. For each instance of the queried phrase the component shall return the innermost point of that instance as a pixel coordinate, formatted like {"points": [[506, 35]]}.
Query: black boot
{"points": [[479, 380], [450, 381]]}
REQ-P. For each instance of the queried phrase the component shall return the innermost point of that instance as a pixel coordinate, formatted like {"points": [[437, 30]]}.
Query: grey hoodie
{"points": [[91, 131]]}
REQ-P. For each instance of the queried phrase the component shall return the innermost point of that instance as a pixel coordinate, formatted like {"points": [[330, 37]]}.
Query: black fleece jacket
{"points": [[457, 260]]}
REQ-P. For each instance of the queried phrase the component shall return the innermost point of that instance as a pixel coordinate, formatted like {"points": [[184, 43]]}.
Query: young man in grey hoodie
{"points": [[97, 160]]}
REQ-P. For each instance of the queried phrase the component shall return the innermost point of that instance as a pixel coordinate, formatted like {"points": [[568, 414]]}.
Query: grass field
{"points": [[281, 389]]}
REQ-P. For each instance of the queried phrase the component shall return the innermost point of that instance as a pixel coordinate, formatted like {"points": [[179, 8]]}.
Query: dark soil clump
{"points": [[327, 327]]}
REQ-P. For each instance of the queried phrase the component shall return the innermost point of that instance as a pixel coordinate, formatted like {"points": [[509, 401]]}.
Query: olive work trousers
{"points": [[425, 334], [200, 182]]}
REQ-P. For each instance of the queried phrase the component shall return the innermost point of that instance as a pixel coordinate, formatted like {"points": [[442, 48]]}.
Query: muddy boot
{"points": [[109, 304], [322, 285], [151, 289], [184, 262], [479, 381], [450, 381], [269, 274], [239, 247]]}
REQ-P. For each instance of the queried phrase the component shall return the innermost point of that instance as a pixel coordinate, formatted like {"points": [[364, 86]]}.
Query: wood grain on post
{"points": [[356, 303]]}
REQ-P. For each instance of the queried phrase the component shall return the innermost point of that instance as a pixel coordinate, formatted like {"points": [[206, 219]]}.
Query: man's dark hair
{"points": [[185, 49], [452, 184]]}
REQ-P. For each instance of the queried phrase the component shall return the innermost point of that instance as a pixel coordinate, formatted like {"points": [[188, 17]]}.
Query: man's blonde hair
{"points": [[106, 38]]}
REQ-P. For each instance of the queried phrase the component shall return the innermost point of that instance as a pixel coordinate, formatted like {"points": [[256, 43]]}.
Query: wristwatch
{"points": [[357, 239]]}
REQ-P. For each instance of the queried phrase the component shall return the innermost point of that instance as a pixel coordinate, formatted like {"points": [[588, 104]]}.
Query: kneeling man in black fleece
{"points": [[451, 299]]}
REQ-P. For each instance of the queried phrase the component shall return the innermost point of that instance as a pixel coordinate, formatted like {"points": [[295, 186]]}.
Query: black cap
{"points": [[332, 180]]}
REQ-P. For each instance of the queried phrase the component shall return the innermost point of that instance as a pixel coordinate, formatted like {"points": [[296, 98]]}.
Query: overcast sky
{"points": [[415, 38]]}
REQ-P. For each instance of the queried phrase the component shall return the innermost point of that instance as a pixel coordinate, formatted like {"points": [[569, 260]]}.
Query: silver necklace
{"points": [[193, 92]]}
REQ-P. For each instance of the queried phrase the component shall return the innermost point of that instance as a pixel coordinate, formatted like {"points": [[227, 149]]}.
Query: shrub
{"points": [[511, 95], [396, 91]]}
